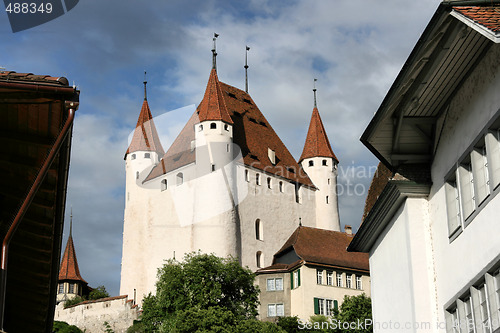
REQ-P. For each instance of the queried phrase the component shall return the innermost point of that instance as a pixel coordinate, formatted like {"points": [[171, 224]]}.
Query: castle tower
{"points": [[320, 164], [71, 283]]}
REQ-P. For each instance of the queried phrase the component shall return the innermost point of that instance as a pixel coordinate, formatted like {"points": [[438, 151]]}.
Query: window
{"points": [[275, 310], [213, 126], [325, 163], [452, 206], [257, 179], [281, 187], [180, 178], [497, 288], [319, 276], [61, 288], [268, 182], [271, 154], [327, 199], [228, 148], [480, 173], [329, 278], [324, 306], [452, 321], [275, 284], [147, 155], [311, 163], [484, 308], [164, 184], [321, 304], [328, 181], [295, 279], [259, 258], [329, 307], [247, 176], [200, 128], [226, 127], [258, 230], [469, 316], [132, 157], [137, 175], [492, 143], [71, 288], [213, 167], [339, 280], [359, 284], [348, 283], [466, 188], [298, 198]]}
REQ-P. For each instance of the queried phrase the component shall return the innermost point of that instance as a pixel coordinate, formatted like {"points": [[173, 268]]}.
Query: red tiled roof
{"points": [[321, 246], [30, 77], [317, 144], [145, 136], [379, 181], [487, 16], [213, 105], [69, 265], [251, 132]]}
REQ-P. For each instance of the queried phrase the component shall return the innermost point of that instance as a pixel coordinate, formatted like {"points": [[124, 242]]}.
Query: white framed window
{"points": [[71, 288], [271, 310], [359, 284], [348, 283], [319, 276], [164, 185], [469, 315], [339, 280], [296, 278], [275, 310], [329, 307], [480, 173], [484, 308], [274, 284], [466, 188], [279, 283], [321, 304], [329, 278], [61, 288], [492, 143], [453, 206]]}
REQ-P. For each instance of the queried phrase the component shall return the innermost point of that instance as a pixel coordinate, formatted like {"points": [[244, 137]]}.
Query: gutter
{"points": [[38, 87], [72, 106]]}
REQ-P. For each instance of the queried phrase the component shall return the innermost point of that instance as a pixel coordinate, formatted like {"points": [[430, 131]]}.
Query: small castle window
{"points": [[257, 179], [200, 128], [247, 176], [258, 230], [61, 288], [164, 185], [180, 178], [271, 155], [328, 181], [226, 127], [137, 175], [281, 187], [147, 155], [268, 182], [325, 163], [311, 163], [71, 288], [132, 157], [213, 125], [227, 148], [213, 167], [327, 200], [260, 259]]}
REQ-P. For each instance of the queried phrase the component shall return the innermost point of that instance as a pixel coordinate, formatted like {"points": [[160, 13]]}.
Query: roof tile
{"points": [[488, 17], [69, 265], [317, 144]]}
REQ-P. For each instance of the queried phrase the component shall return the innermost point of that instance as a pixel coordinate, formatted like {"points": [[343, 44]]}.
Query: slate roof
{"points": [[145, 137], [487, 16], [69, 265], [317, 144], [321, 246], [251, 132]]}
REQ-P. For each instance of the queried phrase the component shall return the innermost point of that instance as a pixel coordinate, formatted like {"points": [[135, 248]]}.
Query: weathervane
{"points": [[246, 68], [314, 91], [145, 82], [214, 52]]}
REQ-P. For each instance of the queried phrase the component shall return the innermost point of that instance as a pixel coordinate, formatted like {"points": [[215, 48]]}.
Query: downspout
{"points": [[72, 106]]}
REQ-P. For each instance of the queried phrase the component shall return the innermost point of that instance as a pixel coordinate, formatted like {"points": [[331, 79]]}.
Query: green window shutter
{"points": [[316, 305], [298, 272], [291, 280], [336, 305]]}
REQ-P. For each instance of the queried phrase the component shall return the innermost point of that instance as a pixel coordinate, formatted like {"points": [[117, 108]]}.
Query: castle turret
{"points": [[320, 164]]}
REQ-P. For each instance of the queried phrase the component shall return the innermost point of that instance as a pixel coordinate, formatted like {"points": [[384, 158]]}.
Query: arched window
{"points": [[132, 157], [259, 257], [281, 187], [257, 179], [147, 155], [137, 175], [180, 178], [213, 125], [247, 176], [327, 200], [269, 182], [311, 163], [259, 230], [164, 185], [325, 163]]}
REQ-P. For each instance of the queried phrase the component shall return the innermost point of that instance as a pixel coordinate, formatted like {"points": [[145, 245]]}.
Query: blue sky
{"points": [[354, 48]]}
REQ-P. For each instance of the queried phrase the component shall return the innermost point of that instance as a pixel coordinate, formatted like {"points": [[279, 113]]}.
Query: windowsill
{"points": [[273, 291], [329, 285]]}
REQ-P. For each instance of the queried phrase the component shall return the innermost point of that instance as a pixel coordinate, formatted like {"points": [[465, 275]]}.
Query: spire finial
{"points": [[71, 222], [314, 91], [214, 52], [246, 68], [145, 82]]}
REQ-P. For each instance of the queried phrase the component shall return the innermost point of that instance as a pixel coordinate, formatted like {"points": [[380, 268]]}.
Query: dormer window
{"points": [[272, 155], [147, 155], [311, 163], [213, 126]]}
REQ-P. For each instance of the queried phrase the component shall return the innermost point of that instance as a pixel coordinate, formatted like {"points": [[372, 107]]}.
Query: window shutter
{"points": [[336, 305], [452, 207], [480, 172], [466, 190], [316, 306], [298, 272], [493, 156], [291, 280]]}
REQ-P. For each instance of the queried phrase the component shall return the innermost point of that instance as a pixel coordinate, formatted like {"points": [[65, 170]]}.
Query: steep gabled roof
{"points": [[145, 136], [487, 16], [317, 144], [251, 132], [321, 246], [69, 265], [213, 105]]}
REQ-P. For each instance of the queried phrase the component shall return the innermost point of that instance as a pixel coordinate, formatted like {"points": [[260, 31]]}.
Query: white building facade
{"points": [[227, 185], [432, 234]]}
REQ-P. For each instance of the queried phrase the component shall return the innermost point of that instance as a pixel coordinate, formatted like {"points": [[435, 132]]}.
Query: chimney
{"points": [[348, 229]]}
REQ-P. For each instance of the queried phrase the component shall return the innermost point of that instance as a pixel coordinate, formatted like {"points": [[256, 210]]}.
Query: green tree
{"points": [[355, 309], [73, 301], [63, 327], [202, 293], [98, 293]]}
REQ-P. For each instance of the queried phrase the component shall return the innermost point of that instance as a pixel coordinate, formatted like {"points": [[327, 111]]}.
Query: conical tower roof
{"points": [[317, 144], [69, 265], [213, 105], [145, 136]]}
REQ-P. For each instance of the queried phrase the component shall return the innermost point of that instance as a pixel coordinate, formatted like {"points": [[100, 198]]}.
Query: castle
{"points": [[227, 185]]}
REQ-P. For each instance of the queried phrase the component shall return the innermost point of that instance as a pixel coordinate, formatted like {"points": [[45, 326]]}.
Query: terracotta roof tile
{"points": [[321, 246], [69, 265], [145, 137], [30, 77], [379, 180], [487, 16], [213, 105], [317, 144]]}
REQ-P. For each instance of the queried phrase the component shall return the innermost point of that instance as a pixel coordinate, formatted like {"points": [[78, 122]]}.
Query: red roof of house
{"points": [[487, 16], [317, 144], [145, 136], [69, 265], [379, 181], [251, 132], [321, 246], [213, 105]]}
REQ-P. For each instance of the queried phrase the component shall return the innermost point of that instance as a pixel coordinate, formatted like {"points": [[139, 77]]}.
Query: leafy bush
{"points": [[63, 327]]}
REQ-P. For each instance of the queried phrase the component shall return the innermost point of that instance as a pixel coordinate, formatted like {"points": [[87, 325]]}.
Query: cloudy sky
{"points": [[354, 48]]}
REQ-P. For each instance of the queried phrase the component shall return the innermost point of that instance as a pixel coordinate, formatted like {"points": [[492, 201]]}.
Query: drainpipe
{"points": [[72, 106]]}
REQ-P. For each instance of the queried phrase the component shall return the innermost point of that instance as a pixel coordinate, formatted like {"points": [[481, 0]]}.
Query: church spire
{"points": [[317, 143], [213, 106], [69, 265], [145, 137]]}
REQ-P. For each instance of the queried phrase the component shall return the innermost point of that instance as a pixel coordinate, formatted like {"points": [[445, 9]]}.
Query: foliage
{"points": [[137, 327], [108, 328], [98, 293], [63, 327], [355, 308], [73, 301], [203, 292], [289, 324]]}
